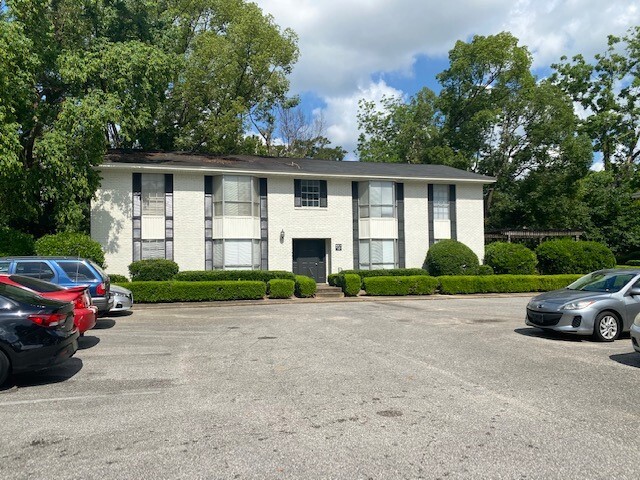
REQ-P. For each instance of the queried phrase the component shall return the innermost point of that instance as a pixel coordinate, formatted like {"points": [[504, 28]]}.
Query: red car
{"points": [[84, 314]]}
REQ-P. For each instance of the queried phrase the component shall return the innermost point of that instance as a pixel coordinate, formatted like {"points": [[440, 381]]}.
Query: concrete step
{"points": [[326, 291]]}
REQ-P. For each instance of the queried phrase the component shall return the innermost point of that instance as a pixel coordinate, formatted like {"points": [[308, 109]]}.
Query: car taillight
{"points": [[48, 319], [101, 289]]}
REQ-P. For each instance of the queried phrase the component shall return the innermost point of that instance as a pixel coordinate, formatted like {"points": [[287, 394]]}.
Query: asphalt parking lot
{"points": [[437, 388]]}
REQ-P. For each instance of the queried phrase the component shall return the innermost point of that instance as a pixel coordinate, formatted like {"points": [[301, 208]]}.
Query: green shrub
{"points": [[510, 258], [305, 286], [69, 244], [333, 279], [15, 243], [413, 285], [450, 257], [115, 278], [280, 288], [393, 272], [503, 283], [351, 284], [484, 270], [218, 275], [567, 256], [156, 269], [161, 292], [633, 263]]}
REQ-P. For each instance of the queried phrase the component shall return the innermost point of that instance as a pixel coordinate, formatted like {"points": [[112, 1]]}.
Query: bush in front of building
{"points": [[70, 244], [116, 278], [334, 279], [484, 270], [219, 275], [156, 269], [633, 263], [568, 256], [466, 284], [351, 284], [280, 288], [305, 286], [450, 257], [412, 285], [170, 291], [510, 258], [15, 243], [392, 272]]}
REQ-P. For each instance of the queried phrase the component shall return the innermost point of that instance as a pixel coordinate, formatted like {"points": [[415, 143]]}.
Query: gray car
{"points": [[603, 304], [122, 299]]}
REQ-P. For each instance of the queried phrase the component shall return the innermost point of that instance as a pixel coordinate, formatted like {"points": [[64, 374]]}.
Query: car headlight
{"points": [[637, 321], [577, 305]]}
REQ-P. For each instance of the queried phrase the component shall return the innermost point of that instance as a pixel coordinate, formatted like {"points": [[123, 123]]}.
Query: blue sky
{"points": [[354, 49]]}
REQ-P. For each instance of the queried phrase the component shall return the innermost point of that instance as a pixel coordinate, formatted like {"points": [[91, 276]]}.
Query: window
{"points": [[441, 202], [310, 193], [236, 254], [236, 196], [152, 249], [377, 200], [4, 267], [77, 271], [153, 194], [35, 269], [378, 254]]}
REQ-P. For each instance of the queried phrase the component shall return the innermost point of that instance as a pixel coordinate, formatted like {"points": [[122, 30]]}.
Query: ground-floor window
{"points": [[236, 254], [153, 249], [378, 254]]}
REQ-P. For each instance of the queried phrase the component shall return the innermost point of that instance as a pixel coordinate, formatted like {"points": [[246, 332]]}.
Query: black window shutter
{"points": [[432, 239], [297, 190], [168, 216], [323, 193], [401, 224], [452, 212], [137, 216]]}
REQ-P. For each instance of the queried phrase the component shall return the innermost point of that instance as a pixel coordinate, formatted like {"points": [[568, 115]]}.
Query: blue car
{"points": [[66, 272]]}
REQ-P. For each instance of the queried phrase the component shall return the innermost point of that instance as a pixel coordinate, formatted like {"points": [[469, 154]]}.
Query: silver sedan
{"points": [[603, 304], [122, 299]]}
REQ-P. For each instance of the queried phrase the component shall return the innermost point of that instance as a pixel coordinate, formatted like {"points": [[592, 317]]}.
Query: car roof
{"points": [[634, 271], [43, 257]]}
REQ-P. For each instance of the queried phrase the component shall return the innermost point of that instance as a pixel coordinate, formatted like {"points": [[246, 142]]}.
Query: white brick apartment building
{"points": [[312, 217]]}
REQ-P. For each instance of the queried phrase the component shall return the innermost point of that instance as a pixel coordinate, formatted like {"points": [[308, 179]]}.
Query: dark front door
{"points": [[309, 259]]}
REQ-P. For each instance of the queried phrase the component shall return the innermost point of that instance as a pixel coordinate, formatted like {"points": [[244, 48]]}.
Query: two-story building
{"points": [[312, 217]]}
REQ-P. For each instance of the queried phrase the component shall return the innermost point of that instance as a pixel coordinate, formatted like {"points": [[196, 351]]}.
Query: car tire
{"points": [[5, 367], [606, 327]]}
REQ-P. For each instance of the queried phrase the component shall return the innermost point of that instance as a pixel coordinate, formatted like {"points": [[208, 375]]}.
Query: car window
{"points": [[4, 267], [602, 282], [77, 271], [39, 270], [19, 294], [35, 284]]}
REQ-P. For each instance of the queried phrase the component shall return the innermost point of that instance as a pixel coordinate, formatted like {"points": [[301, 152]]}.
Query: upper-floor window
{"points": [[377, 199], [441, 202], [236, 196], [310, 193], [153, 194]]}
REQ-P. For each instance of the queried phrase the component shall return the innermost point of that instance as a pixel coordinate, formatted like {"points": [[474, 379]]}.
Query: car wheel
{"points": [[606, 327], [4, 367]]}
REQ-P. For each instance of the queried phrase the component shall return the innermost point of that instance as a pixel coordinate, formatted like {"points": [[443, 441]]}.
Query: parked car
{"points": [[603, 304], [35, 332], [122, 299], [635, 334], [66, 272], [84, 314]]}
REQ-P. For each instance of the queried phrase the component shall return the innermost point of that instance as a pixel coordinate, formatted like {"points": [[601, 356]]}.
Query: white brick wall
{"points": [[416, 223], [470, 217], [188, 220], [111, 213]]}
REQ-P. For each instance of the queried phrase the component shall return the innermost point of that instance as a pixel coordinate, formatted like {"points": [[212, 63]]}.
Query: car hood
{"points": [[118, 289], [560, 297]]}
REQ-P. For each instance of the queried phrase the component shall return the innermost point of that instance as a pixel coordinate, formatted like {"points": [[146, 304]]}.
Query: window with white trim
{"points": [[377, 199], [310, 193], [153, 248], [378, 254], [236, 254], [441, 202], [236, 196], [153, 194]]}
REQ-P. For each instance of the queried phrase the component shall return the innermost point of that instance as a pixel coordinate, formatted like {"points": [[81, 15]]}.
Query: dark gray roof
{"points": [[290, 166]]}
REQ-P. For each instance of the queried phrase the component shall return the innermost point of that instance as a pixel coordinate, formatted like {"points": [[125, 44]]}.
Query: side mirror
{"points": [[634, 292]]}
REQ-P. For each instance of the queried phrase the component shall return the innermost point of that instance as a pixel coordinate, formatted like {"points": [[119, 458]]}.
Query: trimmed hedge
{"points": [[503, 283], [70, 244], [567, 256], [161, 292], [351, 284], [412, 285], [510, 258], [334, 279], [484, 270], [15, 243], [633, 263], [393, 272], [115, 278], [450, 257], [280, 288], [156, 269], [219, 275], [305, 286]]}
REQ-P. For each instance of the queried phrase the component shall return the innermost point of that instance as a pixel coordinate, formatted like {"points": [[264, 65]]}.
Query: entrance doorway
{"points": [[309, 258]]}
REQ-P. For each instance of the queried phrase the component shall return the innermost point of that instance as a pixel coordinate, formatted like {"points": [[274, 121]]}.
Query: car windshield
{"points": [[19, 294], [602, 282]]}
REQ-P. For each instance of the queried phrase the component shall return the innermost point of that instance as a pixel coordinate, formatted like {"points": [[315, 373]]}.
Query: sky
{"points": [[366, 49]]}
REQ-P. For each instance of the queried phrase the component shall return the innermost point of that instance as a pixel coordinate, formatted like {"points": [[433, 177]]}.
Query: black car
{"points": [[35, 332]]}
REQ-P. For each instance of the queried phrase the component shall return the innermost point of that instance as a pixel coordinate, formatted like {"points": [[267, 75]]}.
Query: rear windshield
{"points": [[20, 294], [35, 284], [77, 271], [99, 269], [602, 282]]}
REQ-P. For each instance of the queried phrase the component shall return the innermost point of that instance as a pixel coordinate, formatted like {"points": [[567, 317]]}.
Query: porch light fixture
{"points": [[281, 235]]}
